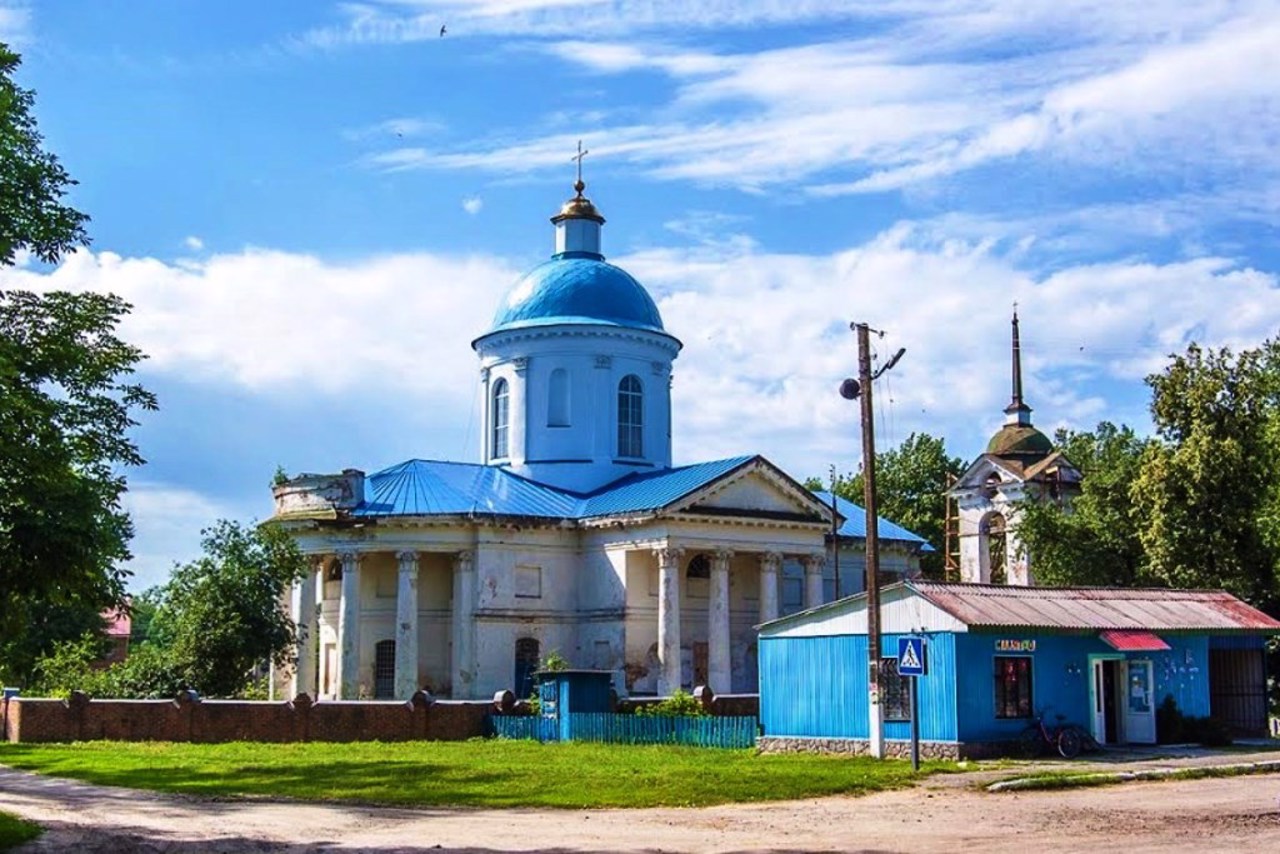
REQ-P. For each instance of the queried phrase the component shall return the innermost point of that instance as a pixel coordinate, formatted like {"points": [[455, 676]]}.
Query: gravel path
{"points": [[1229, 814]]}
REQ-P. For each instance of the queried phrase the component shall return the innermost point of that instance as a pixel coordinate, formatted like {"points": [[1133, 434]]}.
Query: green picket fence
{"points": [[737, 732]]}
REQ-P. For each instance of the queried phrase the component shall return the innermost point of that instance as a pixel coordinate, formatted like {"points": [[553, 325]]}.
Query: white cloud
{"points": [[1180, 88], [268, 320], [195, 244], [15, 22], [766, 339], [167, 522], [473, 204]]}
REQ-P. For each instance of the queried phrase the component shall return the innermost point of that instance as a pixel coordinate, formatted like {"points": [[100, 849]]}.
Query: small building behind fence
{"points": [[1103, 658]]}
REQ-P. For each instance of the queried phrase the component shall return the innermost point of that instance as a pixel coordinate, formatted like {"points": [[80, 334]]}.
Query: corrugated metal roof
{"points": [[855, 523], [1128, 640], [434, 488], [437, 488], [653, 490], [999, 606]]}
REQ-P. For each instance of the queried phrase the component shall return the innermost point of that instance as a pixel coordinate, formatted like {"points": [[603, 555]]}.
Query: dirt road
{"points": [[1230, 814]]}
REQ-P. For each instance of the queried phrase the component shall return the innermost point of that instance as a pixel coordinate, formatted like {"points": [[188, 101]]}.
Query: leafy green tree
{"points": [[65, 407], [220, 615], [1206, 498], [46, 625], [32, 181], [1094, 540], [911, 484]]}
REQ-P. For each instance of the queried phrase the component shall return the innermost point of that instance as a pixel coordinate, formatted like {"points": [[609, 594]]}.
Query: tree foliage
{"points": [[1094, 540], [220, 615], [65, 405], [911, 485], [32, 181], [1205, 499]]}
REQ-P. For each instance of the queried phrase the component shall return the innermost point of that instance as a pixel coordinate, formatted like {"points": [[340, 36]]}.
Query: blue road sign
{"points": [[911, 657]]}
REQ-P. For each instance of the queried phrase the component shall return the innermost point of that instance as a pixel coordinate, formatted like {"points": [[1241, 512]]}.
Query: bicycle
{"points": [[1066, 739]]}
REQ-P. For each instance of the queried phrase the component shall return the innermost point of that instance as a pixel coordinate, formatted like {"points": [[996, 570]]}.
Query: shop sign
{"points": [[1010, 645]]}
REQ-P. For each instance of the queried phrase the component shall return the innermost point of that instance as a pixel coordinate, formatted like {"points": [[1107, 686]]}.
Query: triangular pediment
{"points": [[757, 489], [981, 472]]}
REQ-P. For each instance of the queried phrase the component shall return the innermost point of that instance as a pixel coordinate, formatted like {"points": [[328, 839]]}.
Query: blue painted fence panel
{"points": [[735, 732]]}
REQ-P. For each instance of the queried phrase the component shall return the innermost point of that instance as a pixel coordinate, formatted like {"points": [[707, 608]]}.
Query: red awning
{"points": [[1132, 641]]}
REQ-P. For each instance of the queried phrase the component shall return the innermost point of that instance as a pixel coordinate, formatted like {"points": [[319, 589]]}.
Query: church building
{"points": [[1019, 464], [573, 533]]}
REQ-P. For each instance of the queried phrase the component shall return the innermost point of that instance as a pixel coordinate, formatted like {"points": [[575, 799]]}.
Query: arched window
{"points": [[527, 651], [384, 670], [630, 417], [501, 419], [993, 543], [699, 567], [558, 398]]}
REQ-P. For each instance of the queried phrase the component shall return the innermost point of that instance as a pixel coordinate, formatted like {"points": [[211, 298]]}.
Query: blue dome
{"points": [[577, 288]]}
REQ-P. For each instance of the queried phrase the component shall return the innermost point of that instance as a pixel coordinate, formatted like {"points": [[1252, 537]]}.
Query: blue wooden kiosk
{"points": [[563, 693]]}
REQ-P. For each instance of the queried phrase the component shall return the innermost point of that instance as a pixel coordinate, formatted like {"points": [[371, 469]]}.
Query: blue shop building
{"points": [[1103, 658]]}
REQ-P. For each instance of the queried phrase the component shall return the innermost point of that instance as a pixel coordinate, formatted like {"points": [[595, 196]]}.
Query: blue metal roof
{"points": [[436, 488], [577, 287], [855, 523], [654, 490]]}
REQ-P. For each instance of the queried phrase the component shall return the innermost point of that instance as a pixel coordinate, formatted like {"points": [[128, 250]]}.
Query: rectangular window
{"points": [[1013, 686], [895, 691], [792, 594]]}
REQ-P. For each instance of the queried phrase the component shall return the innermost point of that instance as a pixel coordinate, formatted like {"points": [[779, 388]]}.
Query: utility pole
{"points": [[850, 389], [875, 717]]}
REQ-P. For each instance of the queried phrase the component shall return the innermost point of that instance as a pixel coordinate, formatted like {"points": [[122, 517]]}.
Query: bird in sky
{"points": [[443, 30]]}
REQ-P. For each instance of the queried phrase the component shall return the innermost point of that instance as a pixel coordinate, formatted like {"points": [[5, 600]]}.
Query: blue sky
{"points": [[316, 206]]}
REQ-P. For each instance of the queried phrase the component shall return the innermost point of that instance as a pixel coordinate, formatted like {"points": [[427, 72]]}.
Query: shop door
{"points": [[1139, 711]]}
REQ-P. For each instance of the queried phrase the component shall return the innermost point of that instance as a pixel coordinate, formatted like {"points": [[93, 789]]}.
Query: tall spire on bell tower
{"points": [[1017, 412], [578, 223]]}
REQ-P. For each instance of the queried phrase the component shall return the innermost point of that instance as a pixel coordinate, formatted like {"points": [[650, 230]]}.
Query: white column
{"points": [[349, 628], [518, 413], [407, 626], [304, 617], [719, 654], [464, 600], [770, 563], [813, 579], [668, 620]]}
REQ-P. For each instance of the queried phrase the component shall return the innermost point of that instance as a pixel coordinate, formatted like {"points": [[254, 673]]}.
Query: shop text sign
{"points": [[1011, 645]]}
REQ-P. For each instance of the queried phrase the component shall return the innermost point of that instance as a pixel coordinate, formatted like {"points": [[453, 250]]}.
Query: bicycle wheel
{"points": [[1069, 743], [1030, 743]]}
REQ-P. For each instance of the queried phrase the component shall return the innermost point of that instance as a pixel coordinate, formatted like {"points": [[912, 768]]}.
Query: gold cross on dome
{"points": [[582, 152]]}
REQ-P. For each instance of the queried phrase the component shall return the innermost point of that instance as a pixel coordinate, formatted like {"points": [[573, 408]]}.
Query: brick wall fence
{"points": [[189, 718]]}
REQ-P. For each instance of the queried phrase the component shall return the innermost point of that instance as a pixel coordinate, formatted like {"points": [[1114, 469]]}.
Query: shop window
{"points": [[1013, 686], [895, 691]]}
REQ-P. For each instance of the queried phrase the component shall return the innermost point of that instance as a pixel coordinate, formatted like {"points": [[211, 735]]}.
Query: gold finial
{"points": [[582, 152]]}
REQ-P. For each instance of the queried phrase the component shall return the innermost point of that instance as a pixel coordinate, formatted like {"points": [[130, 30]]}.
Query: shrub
{"points": [[1170, 723], [681, 704], [1173, 727]]}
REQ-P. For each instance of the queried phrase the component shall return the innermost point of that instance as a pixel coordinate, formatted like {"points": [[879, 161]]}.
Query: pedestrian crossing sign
{"points": [[911, 657]]}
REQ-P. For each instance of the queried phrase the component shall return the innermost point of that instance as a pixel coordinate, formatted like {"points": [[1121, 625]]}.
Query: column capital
{"points": [[350, 560], [604, 361], [464, 561], [520, 363], [408, 559], [669, 556], [813, 563], [720, 559], [771, 561]]}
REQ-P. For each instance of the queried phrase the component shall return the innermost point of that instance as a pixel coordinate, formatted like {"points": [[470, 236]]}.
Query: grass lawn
{"points": [[14, 831], [479, 773]]}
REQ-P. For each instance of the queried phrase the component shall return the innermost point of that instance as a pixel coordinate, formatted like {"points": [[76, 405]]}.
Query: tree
{"points": [[911, 483], [1206, 498], [220, 616], [1094, 540], [32, 181], [65, 407]]}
